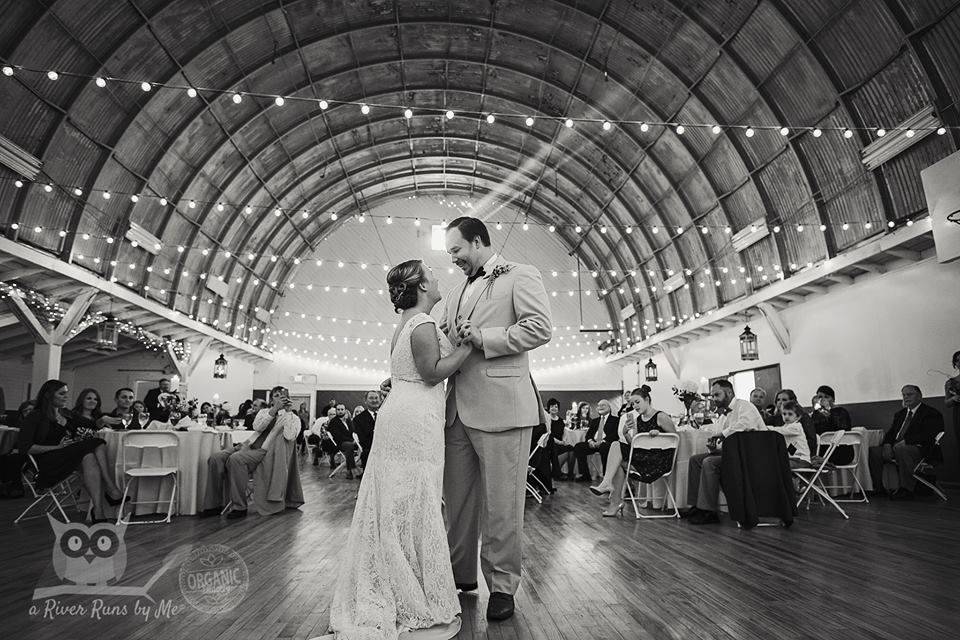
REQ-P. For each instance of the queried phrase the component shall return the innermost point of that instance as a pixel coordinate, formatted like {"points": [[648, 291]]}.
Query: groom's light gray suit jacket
{"points": [[493, 390]]}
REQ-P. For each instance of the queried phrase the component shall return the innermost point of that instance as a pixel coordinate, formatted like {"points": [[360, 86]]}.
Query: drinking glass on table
{"points": [[143, 419], [126, 419]]}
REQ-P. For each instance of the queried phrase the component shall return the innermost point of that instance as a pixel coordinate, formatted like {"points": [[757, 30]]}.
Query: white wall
{"points": [[865, 340]]}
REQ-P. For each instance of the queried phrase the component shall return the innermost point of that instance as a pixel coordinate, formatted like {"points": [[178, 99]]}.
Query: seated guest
{"points": [[703, 474], [560, 448], [222, 415], [627, 405], [794, 433], [827, 417], [84, 419], [157, 410], [124, 399], [581, 419], [951, 397], [43, 434], [340, 438], [627, 422], [318, 437], [364, 423], [758, 398], [909, 439], [252, 412], [602, 432], [647, 464], [344, 414], [26, 408], [784, 395], [229, 470]]}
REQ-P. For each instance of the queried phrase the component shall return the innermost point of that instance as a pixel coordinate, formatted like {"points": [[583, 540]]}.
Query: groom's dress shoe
{"points": [[466, 586], [500, 606]]}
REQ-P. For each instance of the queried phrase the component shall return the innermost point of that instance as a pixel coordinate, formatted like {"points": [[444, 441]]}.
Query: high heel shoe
{"points": [[616, 512], [600, 490]]}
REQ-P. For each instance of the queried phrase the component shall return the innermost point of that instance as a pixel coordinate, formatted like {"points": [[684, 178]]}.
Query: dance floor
{"points": [[890, 572]]}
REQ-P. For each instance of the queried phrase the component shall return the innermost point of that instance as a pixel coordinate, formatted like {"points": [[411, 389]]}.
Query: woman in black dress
{"points": [[84, 421], [42, 435], [827, 417], [647, 464]]}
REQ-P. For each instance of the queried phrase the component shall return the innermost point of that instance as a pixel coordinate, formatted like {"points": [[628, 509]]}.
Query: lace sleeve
{"points": [[421, 318]]}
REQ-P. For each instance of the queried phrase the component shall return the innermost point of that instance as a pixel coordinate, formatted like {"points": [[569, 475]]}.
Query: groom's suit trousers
{"points": [[484, 487]]}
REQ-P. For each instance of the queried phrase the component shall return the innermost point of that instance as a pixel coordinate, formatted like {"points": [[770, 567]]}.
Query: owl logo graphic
{"points": [[88, 555]]}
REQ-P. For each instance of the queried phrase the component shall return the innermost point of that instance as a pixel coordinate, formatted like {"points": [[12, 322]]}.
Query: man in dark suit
{"points": [[602, 432], [364, 423], [341, 434], [909, 439], [152, 402]]}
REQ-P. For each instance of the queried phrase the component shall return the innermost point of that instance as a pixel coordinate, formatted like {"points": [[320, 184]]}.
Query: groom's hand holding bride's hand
{"points": [[470, 336]]}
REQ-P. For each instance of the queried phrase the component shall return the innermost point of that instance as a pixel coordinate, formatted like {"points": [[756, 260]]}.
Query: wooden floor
{"points": [[891, 572]]}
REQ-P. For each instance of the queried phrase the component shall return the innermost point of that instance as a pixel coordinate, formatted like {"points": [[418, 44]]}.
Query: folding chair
{"points": [[140, 441], [532, 490], [64, 493], [854, 439], [647, 442], [356, 454], [812, 476], [923, 472]]}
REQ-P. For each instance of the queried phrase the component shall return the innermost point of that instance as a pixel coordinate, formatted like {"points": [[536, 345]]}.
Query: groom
{"points": [[492, 406]]}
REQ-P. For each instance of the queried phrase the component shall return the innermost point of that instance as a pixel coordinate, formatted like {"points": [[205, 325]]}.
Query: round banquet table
{"points": [[574, 436], [195, 449]]}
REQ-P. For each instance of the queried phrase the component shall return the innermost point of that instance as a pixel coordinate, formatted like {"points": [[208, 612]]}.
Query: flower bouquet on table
{"points": [[687, 394]]}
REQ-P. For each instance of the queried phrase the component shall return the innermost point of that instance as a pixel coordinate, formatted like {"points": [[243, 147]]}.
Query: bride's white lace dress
{"points": [[396, 571]]}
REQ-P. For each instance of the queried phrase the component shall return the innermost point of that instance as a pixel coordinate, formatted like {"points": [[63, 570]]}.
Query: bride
{"points": [[396, 575]]}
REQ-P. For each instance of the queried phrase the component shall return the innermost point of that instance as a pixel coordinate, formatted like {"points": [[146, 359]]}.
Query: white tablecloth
{"points": [[195, 449], [574, 436]]}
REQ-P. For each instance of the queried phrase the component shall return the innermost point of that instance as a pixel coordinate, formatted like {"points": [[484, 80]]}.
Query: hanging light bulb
{"points": [[278, 212], [784, 131], [644, 127], [656, 229], [279, 101], [134, 198], [145, 86], [7, 70], [551, 228], [192, 92], [499, 226], [881, 132], [100, 82], [163, 202], [606, 125], [847, 133], [568, 123], [237, 98], [219, 206], [192, 204], [416, 222], [364, 109], [529, 121], [817, 133], [106, 195], [910, 133], [324, 105], [77, 191], [53, 75], [48, 188], [680, 129], [408, 113], [248, 209], [491, 119], [578, 229], [449, 114], [716, 129], [389, 220], [750, 132], [941, 131]]}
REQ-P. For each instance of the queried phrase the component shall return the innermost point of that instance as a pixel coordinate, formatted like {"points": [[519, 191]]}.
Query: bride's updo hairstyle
{"points": [[402, 282]]}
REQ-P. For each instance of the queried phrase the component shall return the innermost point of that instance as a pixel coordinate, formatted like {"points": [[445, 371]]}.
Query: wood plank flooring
{"points": [[892, 572]]}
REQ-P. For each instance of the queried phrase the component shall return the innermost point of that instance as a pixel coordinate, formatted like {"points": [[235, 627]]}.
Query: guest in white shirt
{"points": [[703, 471], [793, 433], [229, 470]]}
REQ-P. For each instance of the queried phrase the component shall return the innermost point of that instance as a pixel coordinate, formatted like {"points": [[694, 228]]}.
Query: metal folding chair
{"points": [[531, 489], [645, 441], [855, 440], [923, 472], [166, 442], [343, 464], [812, 477], [64, 493]]}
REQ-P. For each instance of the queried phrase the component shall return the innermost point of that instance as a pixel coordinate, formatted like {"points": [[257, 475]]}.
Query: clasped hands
{"points": [[468, 335]]}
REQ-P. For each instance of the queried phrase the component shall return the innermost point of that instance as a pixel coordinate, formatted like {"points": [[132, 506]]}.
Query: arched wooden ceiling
{"points": [[857, 63]]}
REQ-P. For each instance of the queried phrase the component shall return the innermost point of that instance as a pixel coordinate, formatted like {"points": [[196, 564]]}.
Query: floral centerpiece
{"points": [[687, 394]]}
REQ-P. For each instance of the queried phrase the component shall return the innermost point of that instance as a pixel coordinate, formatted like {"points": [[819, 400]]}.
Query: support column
{"points": [[46, 364]]}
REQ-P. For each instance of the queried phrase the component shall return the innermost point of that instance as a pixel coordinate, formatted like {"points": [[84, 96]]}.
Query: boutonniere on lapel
{"points": [[498, 271]]}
